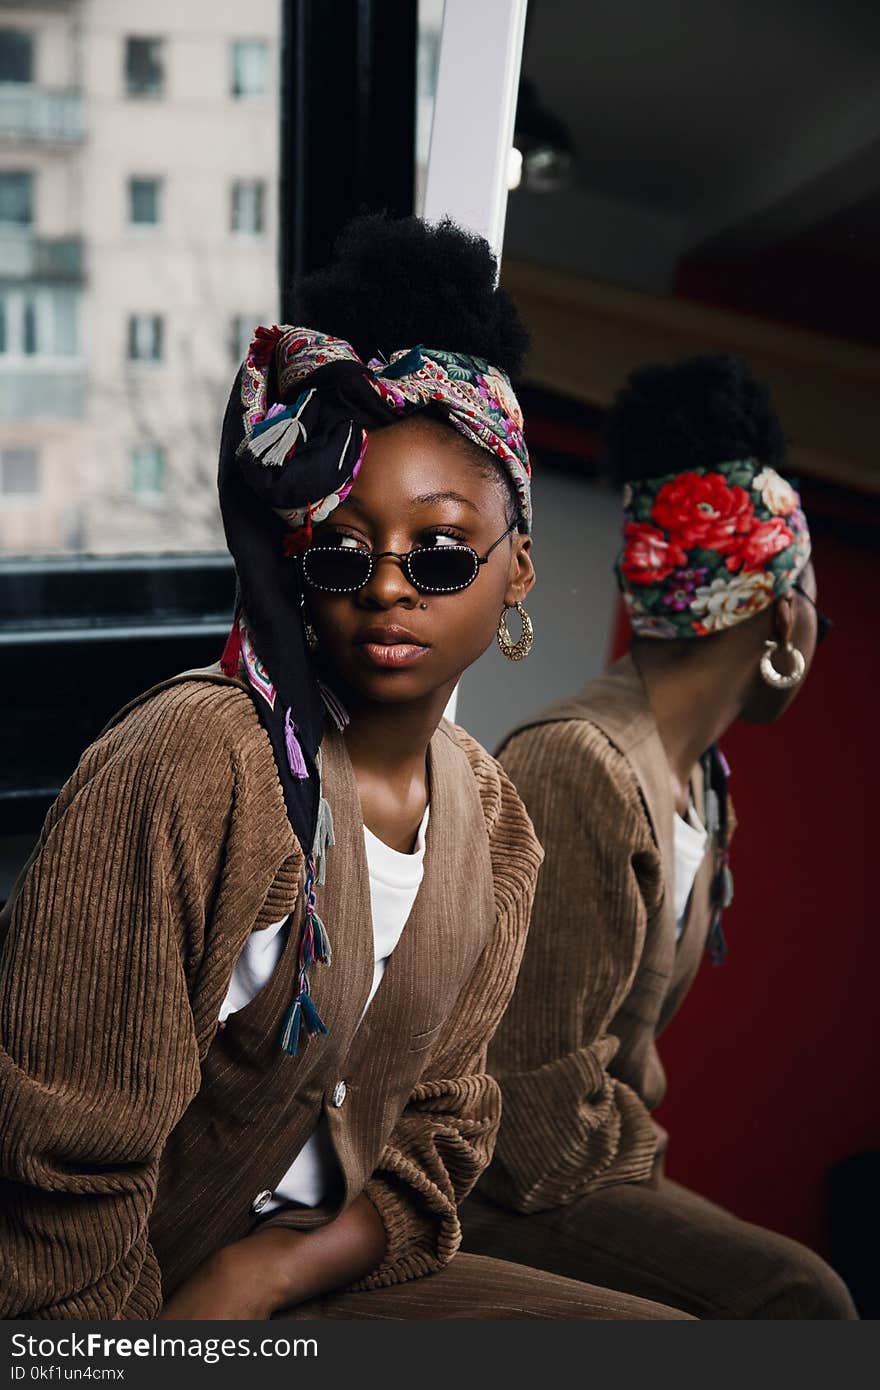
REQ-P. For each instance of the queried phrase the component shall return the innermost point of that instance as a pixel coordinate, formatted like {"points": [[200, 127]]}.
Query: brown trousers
{"points": [[472, 1287], [659, 1241]]}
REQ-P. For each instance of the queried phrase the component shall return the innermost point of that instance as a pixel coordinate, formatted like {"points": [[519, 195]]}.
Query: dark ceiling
{"points": [[756, 123]]}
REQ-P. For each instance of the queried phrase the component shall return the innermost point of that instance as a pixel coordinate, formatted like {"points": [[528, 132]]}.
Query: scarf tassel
{"points": [[274, 439], [302, 1014], [311, 1018], [716, 946], [290, 1031], [324, 839], [295, 760], [314, 945], [321, 941]]}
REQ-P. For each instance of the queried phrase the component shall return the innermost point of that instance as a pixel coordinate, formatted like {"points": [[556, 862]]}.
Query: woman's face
{"points": [[417, 486]]}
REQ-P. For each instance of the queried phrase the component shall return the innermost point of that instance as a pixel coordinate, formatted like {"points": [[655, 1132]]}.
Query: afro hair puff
{"points": [[693, 414], [393, 283]]}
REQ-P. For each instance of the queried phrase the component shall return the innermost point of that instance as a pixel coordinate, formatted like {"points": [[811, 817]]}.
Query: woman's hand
{"points": [[279, 1266], [244, 1281]]}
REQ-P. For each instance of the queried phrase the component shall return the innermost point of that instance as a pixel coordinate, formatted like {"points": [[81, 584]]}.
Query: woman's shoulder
{"points": [[574, 779], [189, 719], [191, 743], [508, 824], [570, 749], [492, 781]]}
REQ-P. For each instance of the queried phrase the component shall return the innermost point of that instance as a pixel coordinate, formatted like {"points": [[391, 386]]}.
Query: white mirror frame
{"points": [[469, 164]]}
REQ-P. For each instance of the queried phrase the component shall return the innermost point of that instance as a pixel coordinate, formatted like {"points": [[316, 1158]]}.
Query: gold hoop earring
{"points": [[775, 678], [515, 651]]}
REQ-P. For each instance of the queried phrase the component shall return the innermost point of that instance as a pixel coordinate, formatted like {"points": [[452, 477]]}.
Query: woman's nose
{"points": [[388, 584]]}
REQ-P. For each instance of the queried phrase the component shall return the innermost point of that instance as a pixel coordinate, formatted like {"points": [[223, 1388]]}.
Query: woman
{"points": [[627, 791], [203, 1108]]}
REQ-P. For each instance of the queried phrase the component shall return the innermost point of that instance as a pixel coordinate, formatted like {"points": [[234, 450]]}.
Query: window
{"points": [[39, 322], [248, 206], [249, 67], [16, 198], [148, 470], [29, 326], [88, 357], [143, 202], [144, 68], [19, 472], [145, 338], [16, 56], [241, 332]]}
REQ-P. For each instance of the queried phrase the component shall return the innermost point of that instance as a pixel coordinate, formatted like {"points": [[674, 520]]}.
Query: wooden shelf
{"points": [[588, 336]]}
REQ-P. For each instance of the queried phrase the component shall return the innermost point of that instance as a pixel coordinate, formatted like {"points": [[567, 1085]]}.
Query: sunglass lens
{"points": [[443, 569], [336, 569]]}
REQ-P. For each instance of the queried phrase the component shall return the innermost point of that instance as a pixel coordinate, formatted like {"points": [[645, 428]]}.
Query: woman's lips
{"points": [[392, 656], [391, 647]]}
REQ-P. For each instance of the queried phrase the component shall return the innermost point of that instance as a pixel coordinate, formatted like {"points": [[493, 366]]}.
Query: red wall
{"points": [[772, 1061]]}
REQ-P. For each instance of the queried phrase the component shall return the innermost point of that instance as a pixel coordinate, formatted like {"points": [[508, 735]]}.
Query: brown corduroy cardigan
{"points": [[602, 973], [135, 1134]]}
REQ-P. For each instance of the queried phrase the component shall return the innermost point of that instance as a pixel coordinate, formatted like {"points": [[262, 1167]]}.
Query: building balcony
{"points": [[46, 390], [46, 259], [38, 114]]}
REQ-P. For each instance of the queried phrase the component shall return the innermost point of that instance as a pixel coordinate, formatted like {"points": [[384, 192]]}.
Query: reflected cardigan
{"points": [[135, 1133], [602, 973]]}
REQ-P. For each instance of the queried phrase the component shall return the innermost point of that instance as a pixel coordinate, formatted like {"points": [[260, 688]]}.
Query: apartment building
{"points": [[138, 247]]}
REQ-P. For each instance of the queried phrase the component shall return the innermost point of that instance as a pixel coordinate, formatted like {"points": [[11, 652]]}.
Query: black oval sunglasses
{"points": [[442, 569], [823, 622]]}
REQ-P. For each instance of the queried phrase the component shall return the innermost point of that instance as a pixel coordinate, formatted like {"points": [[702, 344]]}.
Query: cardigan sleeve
{"points": [[98, 1052], [568, 1124], [445, 1136]]}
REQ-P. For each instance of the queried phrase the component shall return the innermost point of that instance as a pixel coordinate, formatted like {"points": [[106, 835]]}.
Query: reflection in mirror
{"points": [[706, 179]]}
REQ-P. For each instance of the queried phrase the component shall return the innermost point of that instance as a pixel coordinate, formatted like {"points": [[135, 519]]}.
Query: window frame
{"points": [[235, 45], [29, 178], [144, 93], [158, 454], [157, 183], [259, 188], [45, 300], [157, 335], [27, 499], [31, 38], [241, 327]]}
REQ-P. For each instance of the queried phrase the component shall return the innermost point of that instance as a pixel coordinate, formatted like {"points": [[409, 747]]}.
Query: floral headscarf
{"points": [[705, 550], [476, 398]]}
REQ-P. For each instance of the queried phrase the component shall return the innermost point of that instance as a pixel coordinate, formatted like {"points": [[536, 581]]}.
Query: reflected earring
{"points": [[309, 632], [775, 678], [515, 651]]}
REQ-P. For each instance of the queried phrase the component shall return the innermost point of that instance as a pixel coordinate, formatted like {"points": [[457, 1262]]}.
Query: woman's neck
{"points": [[388, 748], [693, 703]]}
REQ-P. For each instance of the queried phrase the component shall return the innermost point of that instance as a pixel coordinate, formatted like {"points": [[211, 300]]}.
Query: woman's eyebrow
{"points": [[428, 499]]}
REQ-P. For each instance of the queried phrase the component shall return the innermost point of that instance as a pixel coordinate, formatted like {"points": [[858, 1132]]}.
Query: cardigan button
{"points": [[261, 1199], [340, 1090]]}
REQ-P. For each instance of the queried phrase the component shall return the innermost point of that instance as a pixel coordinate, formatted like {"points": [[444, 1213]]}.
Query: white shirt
{"points": [[395, 880], [690, 846]]}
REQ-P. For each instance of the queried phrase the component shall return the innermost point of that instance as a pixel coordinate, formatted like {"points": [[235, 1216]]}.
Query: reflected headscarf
{"points": [[704, 550]]}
